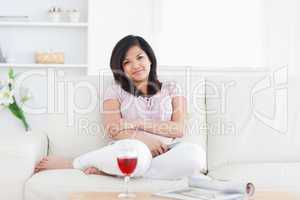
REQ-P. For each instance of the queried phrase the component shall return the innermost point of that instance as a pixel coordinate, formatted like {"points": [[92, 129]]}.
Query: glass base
{"points": [[126, 195]]}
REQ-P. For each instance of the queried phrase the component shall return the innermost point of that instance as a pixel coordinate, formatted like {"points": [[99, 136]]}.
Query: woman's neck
{"points": [[142, 86]]}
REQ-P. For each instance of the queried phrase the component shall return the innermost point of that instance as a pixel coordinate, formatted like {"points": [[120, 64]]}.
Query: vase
{"points": [[74, 16]]}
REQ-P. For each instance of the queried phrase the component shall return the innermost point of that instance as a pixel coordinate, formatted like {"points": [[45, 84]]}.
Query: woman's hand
{"points": [[138, 123], [131, 124], [155, 145], [128, 125]]}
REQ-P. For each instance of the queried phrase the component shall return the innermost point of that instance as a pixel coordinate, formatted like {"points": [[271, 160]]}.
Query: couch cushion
{"points": [[75, 126], [265, 176], [18, 150], [58, 184], [252, 116]]}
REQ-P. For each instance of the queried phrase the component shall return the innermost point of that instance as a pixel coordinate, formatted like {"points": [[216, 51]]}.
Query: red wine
{"points": [[127, 165]]}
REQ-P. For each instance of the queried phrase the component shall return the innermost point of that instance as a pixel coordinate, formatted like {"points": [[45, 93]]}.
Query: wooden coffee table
{"points": [[273, 195], [267, 195]]}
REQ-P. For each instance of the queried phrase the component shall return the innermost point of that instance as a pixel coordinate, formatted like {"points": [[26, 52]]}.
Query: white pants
{"points": [[184, 159]]}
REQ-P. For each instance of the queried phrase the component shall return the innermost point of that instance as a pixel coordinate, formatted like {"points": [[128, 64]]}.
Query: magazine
{"points": [[205, 188], [228, 187], [194, 193]]}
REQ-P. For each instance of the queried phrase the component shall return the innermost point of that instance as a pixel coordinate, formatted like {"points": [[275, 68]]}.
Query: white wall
{"points": [[182, 32], [281, 33], [230, 33], [219, 33], [109, 21], [210, 33]]}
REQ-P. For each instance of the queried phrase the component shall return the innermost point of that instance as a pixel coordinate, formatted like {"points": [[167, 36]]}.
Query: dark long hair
{"points": [[116, 60]]}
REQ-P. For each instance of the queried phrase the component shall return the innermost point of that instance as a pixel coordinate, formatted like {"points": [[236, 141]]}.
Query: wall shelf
{"points": [[44, 24], [21, 39], [43, 65]]}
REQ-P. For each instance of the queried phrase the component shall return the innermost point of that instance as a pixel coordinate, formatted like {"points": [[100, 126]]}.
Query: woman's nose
{"points": [[135, 65]]}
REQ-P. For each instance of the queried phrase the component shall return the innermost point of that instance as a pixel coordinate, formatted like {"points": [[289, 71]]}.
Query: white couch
{"points": [[232, 114]]}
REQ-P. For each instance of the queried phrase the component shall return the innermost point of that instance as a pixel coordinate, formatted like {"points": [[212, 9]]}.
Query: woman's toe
{"points": [[45, 159], [94, 170], [37, 169], [87, 171], [91, 170], [98, 172]]}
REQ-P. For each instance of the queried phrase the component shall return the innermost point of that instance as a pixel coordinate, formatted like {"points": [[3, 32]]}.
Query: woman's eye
{"points": [[125, 63], [140, 57]]}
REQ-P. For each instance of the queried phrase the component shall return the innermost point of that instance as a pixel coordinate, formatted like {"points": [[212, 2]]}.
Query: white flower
{"points": [[24, 95], [6, 96]]}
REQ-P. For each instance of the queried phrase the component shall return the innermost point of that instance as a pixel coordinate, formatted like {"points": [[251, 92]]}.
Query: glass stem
{"points": [[126, 179]]}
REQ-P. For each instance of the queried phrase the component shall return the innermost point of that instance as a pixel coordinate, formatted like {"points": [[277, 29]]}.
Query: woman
{"points": [[142, 112]]}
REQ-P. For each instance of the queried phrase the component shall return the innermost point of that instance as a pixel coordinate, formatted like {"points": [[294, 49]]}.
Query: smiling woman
{"points": [[133, 64], [144, 113], [137, 64]]}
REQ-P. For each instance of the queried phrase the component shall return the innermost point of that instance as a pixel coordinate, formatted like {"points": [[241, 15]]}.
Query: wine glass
{"points": [[127, 162]]}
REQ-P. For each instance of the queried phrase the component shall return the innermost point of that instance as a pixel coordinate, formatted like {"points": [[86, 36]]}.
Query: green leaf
{"points": [[14, 108], [11, 74], [18, 112]]}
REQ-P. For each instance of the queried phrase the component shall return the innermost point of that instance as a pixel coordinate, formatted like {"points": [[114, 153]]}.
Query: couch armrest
{"points": [[18, 155]]}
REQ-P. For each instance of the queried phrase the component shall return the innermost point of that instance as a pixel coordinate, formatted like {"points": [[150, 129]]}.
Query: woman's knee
{"points": [[195, 156]]}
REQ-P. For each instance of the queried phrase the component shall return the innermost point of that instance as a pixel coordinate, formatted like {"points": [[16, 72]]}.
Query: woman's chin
{"points": [[139, 78]]}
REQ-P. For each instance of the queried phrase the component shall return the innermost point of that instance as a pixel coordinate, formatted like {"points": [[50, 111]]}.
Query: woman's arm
{"points": [[119, 129], [155, 145], [173, 128], [112, 121]]}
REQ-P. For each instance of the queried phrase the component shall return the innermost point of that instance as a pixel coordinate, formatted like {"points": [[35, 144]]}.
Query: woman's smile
{"points": [[138, 72]]}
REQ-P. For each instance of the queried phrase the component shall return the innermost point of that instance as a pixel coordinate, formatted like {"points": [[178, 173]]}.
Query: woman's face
{"points": [[136, 64]]}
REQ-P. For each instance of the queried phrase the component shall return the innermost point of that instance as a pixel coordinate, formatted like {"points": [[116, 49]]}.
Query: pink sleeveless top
{"points": [[156, 107]]}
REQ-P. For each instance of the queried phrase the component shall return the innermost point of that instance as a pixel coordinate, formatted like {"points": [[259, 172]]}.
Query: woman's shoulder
{"points": [[173, 88], [113, 91]]}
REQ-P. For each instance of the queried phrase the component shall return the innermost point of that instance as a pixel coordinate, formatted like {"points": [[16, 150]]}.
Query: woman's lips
{"points": [[137, 72]]}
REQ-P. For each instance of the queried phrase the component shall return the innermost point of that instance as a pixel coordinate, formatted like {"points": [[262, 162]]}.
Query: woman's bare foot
{"points": [[53, 162], [93, 170]]}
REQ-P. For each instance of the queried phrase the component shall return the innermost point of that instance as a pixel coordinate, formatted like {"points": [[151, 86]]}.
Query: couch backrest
{"points": [[252, 116], [76, 128]]}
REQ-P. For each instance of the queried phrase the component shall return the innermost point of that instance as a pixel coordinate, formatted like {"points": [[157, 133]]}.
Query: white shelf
{"points": [[43, 65], [45, 24], [21, 37]]}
